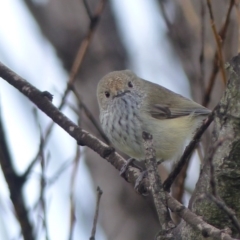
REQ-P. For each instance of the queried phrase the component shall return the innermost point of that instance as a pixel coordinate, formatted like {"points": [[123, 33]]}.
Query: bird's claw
{"points": [[125, 166]]}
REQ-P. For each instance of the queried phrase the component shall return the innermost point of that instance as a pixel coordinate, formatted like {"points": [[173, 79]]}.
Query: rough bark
{"points": [[225, 162]]}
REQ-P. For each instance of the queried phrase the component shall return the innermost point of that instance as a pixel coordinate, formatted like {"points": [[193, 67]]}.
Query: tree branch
{"points": [[187, 153], [159, 195]]}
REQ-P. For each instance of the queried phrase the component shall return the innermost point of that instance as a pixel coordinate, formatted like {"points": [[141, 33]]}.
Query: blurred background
{"points": [[51, 42]]}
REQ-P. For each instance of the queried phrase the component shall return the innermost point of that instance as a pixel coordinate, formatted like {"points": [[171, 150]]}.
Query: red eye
{"points": [[130, 84], [107, 94]]}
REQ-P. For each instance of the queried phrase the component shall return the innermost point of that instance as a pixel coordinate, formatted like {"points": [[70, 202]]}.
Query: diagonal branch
{"points": [[187, 153], [159, 195], [222, 35]]}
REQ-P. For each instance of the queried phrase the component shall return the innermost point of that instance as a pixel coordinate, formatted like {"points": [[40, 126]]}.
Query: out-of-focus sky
{"points": [[26, 51]]}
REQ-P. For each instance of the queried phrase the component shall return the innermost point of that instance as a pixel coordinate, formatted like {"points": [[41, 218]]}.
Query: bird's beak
{"points": [[121, 93]]}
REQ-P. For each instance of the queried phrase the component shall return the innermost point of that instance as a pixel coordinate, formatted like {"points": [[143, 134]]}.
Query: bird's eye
{"points": [[130, 84], [107, 94]]}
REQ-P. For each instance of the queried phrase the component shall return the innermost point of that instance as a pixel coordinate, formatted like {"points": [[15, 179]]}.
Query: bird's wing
{"points": [[160, 111]]}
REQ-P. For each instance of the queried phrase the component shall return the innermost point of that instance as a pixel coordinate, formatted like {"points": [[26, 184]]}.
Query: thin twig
{"points": [[94, 20], [202, 57], [61, 169], [43, 177], [88, 10], [33, 162], [42, 194], [165, 17], [80, 55], [72, 203], [178, 185], [220, 37], [195, 221], [187, 153], [99, 191], [238, 20], [54, 178], [89, 115], [41, 145], [156, 188], [218, 43]]}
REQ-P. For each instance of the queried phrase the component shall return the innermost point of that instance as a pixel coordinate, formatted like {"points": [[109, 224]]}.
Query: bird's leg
{"points": [[142, 175], [125, 166], [130, 161]]}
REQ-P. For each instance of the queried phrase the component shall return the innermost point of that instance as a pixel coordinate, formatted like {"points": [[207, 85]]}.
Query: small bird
{"points": [[130, 105]]}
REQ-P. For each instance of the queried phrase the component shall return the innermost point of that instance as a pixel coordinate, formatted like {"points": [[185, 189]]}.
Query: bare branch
{"points": [[99, 191], [187, 153], [72, 203], [159, 196], [89, 114], [79, 59], [195, 221], [219, 37], [218, 42]]}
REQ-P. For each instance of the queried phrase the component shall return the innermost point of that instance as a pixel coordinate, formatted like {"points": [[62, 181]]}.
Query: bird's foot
{"points": [[130, 161], [125, 166], [138, 182]]}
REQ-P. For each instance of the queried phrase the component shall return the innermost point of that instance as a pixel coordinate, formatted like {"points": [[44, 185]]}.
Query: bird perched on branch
{"points": [[130, 105]]}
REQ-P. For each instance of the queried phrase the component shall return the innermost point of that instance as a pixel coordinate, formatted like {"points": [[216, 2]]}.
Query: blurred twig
{"points": [[190, 14], [15, 186], [43, 181], [187, 153], [72, 203], [89, 114], [42, 194], [178, 185], [164, 14], [41, 145], [156, 188], [220, 39], [61, 169], [94, 20], [238, 20], [99, 191], [202, 57], [84, 45], [218, 42]]}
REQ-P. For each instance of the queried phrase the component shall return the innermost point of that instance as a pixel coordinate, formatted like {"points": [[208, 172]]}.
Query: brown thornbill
{"points": [[130, 105]]}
